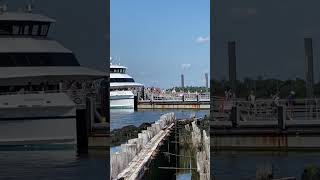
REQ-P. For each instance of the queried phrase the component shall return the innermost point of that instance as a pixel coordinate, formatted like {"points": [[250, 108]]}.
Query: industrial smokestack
{"points": [[207, 80], [232, 64], [309, 66], [182, 80]]}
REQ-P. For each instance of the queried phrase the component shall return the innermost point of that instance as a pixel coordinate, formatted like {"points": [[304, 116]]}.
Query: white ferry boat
{"points": [[123, 88], [40, 82]]}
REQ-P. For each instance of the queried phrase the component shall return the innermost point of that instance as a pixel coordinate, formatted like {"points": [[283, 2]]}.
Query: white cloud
{"points": [[203, 39], [185, 66]]}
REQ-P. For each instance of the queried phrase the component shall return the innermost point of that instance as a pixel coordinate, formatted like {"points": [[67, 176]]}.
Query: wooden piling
{"points": [[234, 115], [129, 163], [281, 118], [82, 132], [136, 103]]}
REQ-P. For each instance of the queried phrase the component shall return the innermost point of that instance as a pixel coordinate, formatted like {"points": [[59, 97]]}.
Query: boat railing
{"points": [[78, 96]]}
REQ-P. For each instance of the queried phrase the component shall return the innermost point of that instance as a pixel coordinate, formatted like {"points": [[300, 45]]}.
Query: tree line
{"points": [[265, 88]]}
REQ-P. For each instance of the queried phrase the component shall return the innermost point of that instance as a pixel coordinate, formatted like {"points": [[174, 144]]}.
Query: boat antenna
{"points": [[30, 6], [3, 7]]}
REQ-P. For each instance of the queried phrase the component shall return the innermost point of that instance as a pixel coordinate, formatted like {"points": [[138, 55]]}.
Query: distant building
{"points": [[207, 80], [182, 80]]}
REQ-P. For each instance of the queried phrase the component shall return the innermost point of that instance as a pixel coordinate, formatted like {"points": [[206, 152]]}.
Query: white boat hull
{"points": [[121, 100], [37, 119]]}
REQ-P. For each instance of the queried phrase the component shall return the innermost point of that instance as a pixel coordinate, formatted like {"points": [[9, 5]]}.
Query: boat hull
{"points": [[124, 103], [26, 121], [121, 100]]}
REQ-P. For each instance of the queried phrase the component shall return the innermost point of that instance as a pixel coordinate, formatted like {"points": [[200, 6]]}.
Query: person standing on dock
{"points": [[276, 99]]}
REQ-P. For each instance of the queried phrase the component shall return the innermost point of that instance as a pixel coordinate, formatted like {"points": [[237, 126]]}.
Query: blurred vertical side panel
{"points": [[107, 41], [213, 8]]}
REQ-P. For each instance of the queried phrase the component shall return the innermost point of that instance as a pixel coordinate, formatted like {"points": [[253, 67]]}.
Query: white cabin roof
{"points": [[125, 84], [24, 16], [29, 44], [117, 66], [119, 75]]}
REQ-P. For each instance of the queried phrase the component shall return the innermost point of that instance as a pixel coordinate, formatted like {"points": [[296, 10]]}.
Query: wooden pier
{"points": [[129, 163], [266, 127], [172, 101], [141, 160], [162, 138], [174, 105]]}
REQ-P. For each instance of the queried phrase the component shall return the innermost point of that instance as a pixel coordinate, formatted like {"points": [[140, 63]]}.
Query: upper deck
{"points": [[23, 23], [118, 69]]}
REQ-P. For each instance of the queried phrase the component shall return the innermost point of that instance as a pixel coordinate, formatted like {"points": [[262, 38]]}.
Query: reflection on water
{"points": [[53, 164], [242, 165]]}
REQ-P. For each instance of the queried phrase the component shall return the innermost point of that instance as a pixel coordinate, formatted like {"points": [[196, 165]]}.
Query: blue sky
{"points": [[160, 39]]}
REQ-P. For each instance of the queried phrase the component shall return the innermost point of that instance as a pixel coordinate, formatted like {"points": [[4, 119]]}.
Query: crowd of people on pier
{"points": [[45, 87], [274, 101]]}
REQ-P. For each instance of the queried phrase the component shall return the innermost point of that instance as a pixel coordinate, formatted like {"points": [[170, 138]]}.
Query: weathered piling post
{"points": [[234, 116], [105, 103], [82, 132], [137, 153], [90, 113], [135, 103], [281, 118]]}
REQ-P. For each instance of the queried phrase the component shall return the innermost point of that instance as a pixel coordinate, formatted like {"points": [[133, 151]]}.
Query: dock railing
{"points": [[267, 109], [185, 97]]}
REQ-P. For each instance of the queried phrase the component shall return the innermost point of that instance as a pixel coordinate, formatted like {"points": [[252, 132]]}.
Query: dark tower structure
{"points": [[182, 80], [309, 66], [207, 80], [232, 65]]}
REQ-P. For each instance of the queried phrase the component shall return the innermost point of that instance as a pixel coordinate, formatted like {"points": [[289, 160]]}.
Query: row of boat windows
{"points": [[47, 87], [118, 70], [121, 80], [24, 29], [37, 59]]}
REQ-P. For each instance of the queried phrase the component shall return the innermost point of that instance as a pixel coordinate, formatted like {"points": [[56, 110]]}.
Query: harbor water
{"points": [[230, 165], [51, 165], [124, 117]]}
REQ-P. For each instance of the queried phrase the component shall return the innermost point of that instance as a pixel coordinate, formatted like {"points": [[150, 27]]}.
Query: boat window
{"points": [[118, 70], [15, 30], [37, 59], [26, 30], [5, 29], [121, 80], [6, 61], [44, 30], [35, 29]]}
